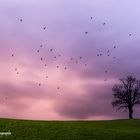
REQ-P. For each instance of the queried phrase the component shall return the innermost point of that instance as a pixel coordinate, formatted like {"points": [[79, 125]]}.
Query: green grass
{"points": [[71, 130]]}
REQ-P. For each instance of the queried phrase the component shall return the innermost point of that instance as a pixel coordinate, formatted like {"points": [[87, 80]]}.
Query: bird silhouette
{"points": [[106, 71], [86, 33], [51, 50], [104, 24], [12, 55], [44, 28], [41, 58], [21, 20], [58, 87]]}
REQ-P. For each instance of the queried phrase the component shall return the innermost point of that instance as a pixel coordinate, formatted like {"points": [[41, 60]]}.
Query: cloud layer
{"points": [[63, 85]]}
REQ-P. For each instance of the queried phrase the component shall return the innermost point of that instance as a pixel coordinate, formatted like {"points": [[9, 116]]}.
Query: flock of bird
{"points": [[108, 52]]}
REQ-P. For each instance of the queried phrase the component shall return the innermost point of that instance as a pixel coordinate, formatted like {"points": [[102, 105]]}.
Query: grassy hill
{"points": [[71, 130]]}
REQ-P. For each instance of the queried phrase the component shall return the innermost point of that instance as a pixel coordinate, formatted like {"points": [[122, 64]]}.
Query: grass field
{"points": [[71, 130]]}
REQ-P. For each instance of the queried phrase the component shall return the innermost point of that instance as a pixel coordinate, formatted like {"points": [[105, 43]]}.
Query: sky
{"points": [[71, 81]]}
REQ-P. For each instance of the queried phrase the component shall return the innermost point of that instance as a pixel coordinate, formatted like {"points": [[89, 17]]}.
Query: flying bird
{"points": [[104, 24], [106, 71], [37, 51], [58, 87], [51, 50], [44, 28], [12, 55], [105, 80], [71, 58], [86, 33], [41, 58], [21, 20]]}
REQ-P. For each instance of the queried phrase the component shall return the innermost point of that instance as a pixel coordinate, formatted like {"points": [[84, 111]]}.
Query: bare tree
{"points": [[127, 94]]}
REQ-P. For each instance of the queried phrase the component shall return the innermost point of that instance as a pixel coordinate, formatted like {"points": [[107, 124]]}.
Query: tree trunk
{"points": [[130, 114]]}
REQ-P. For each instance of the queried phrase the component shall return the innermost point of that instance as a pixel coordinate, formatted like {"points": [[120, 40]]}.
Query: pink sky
{"points": [[83, 93]]}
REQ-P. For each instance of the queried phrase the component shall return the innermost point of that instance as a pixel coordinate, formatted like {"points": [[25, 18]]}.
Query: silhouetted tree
{"points": [[127, 94]]}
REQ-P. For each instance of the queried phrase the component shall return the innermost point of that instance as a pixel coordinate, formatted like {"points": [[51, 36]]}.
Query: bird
{"points": [[51, 50], [55, 57], [39, 84], [114, 47], [105, 80], [106, 71], [58, 87], [17, 73], [108, 55], [101, 54], [108, 51], [80, 57], [47, 77], [41, 46], [44, 28], [91, 17], [104, 24], [86, 32], [57, 66], [12, 55], [21, 20], [65, 68], [130, 34], [16, 69], [98, 55], [45, 65], [41, 58], [37, 51]]}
